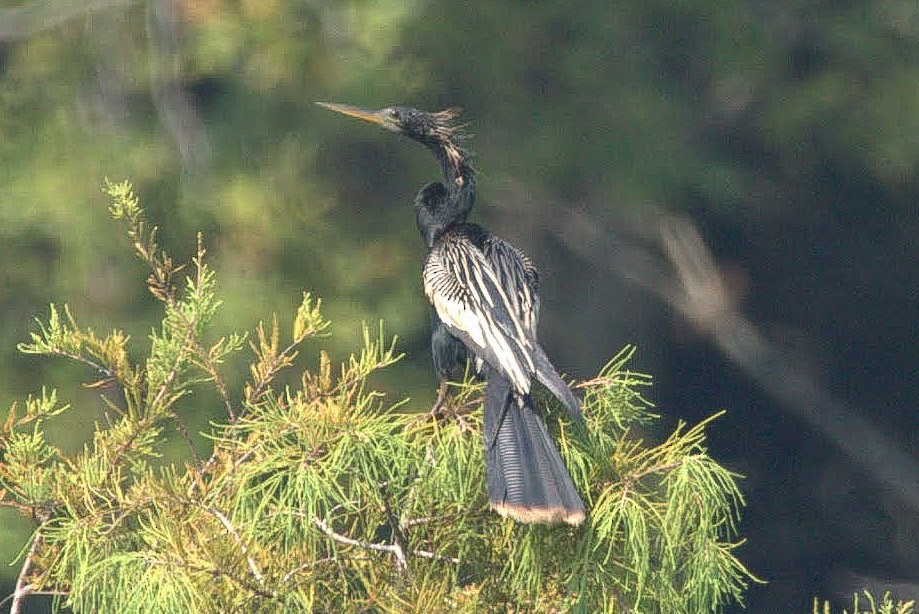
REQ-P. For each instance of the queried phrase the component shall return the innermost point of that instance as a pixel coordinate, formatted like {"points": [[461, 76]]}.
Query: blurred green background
{"points": [[786, 132]]}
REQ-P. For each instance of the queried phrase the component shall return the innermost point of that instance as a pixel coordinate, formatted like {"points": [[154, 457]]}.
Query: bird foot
{"points": [[441, 402], [442, 408]]}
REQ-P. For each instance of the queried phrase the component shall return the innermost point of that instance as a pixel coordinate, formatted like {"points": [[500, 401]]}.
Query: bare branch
{"points": [[108, 373], [393, 549], [182, 427], [706, 301], [24, 589], [253, 566]]}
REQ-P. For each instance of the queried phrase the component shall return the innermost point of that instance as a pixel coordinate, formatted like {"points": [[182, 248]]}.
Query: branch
{"points": [[160, 395], [706, 301], [208, 366], [32, 592], [182, 427], [23, 589], [393, 549], [108, 373], [204, 358], [280, 362], [253, 566]]}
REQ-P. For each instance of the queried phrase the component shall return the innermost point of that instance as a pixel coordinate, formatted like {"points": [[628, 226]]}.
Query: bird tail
{"points": [[527, 479]]}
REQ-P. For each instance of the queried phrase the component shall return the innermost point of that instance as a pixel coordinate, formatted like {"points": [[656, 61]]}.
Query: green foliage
{"points": [[885, 606], [325, 496]]}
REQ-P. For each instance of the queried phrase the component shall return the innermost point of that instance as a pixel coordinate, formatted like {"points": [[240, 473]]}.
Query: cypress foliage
{"points": [[328, 496], [866, 603]]}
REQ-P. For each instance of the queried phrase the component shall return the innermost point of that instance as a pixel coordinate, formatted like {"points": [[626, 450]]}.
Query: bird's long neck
{"points": [[459, 176], [435, 213]]}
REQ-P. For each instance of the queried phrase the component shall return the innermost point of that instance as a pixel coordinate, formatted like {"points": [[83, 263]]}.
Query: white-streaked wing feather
{"points": [[515, 270], [470, 299]]}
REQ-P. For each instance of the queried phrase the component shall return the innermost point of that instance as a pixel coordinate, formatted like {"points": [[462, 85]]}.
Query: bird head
{"points": [[433, 129]]}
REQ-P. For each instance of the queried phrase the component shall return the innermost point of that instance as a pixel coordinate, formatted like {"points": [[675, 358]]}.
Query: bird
{"points": [[485, 293], [439, 132]]}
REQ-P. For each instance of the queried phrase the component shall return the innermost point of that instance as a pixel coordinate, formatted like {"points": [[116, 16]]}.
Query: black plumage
{"points": [[448, 353], [485, 298]]}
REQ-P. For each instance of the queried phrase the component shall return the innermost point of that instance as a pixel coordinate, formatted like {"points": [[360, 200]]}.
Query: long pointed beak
{"points": [[374, 117]]}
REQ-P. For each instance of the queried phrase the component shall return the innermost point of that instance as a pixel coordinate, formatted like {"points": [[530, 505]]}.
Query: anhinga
{"points": [[485, 293], [438, 132]]}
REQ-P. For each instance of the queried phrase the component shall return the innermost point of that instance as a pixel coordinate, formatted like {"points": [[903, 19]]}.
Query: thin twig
{"points": [[465, 426], [393, 549], [161, 393], [276, 367], [456, 410], [596, 381], [108, 373], [183, 431], [120, 515], [23, 589], [253, 566], [142, 424], [205, 363], [399, 537]]}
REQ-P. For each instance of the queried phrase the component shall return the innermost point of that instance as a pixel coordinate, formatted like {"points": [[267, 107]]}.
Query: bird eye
{"points": [[395, 114]]}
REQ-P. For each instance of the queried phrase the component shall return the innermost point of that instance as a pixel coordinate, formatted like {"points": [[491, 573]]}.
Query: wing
{"points": [[470, 299], [515, 270]]}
